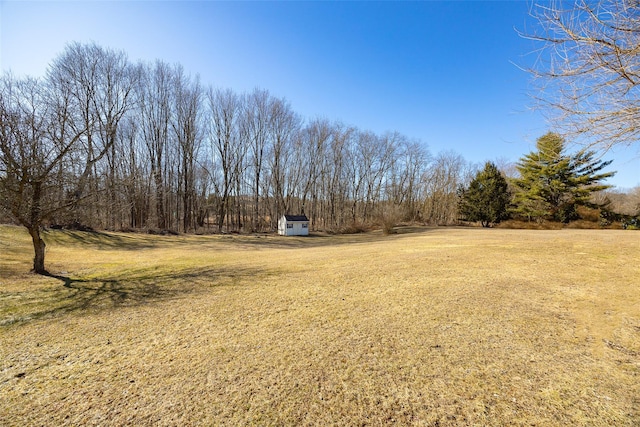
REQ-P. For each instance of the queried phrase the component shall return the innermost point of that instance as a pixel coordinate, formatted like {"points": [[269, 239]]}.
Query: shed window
{"points": [[305, 225], [289, 225]]}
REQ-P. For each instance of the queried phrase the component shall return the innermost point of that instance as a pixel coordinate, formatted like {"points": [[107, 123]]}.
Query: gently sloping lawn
{"points": [[431, 327]]}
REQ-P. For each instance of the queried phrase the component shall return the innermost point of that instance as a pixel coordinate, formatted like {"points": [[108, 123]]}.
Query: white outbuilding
{"points": [[293, 225]]}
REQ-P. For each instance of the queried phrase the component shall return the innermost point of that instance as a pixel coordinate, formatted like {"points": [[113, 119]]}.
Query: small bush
{"points": [[589, 214], [389, 216], [387, 226]]}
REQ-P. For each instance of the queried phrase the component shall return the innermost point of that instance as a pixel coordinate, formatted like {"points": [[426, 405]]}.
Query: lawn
{"points": [[430, 326]]}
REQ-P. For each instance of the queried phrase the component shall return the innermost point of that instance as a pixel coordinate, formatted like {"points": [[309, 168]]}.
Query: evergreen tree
{"points": [[487, 198], [553, 184]]}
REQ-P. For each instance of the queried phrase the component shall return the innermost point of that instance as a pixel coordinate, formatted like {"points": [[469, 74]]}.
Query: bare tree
{"points": [[446, 174], [135, 181], [224, 111], [315, 140], [588, 67], [622, 202], [188, 136], [413, 161], [379, 154], [283, 125], [255, 126], [154, 96], [37, 136], [100, 82], [336, 182], [360, 169], [295, 172]]}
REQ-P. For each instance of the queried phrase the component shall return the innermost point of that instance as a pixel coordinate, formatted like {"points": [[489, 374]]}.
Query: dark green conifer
{"points": [[552, 184], [487, 198]]}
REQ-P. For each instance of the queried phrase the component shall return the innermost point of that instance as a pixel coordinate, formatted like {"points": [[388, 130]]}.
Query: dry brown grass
{"points": [[425, 327]]}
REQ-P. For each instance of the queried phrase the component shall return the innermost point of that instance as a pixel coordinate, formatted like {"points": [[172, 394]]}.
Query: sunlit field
{"points": [[429, 326]]}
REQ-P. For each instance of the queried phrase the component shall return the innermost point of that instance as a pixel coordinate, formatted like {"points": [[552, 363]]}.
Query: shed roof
{"points": [[296, 217]]}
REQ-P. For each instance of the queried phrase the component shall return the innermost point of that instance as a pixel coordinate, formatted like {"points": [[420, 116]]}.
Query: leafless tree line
{"points": [[106, 143]]}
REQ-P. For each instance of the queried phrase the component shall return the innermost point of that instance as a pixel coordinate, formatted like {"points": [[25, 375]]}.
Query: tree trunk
{"points": [[160, 195], [38, 247]]}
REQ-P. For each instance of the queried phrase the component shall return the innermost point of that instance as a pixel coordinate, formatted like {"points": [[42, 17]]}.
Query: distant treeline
{"points": [[147, 146], [105, 143]]}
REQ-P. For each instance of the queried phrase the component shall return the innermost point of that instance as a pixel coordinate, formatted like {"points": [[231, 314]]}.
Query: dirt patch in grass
{"points": [[428, 327]]}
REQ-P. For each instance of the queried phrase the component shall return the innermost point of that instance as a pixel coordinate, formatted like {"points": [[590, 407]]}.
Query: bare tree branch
{"points": [[588, 68]]}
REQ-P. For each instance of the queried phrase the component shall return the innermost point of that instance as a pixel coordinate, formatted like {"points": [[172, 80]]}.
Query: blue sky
{"points": [[439, 72]]}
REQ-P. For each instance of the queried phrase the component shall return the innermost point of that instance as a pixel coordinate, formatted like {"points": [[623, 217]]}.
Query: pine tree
{"points": [[487, 198], [553, 184]]}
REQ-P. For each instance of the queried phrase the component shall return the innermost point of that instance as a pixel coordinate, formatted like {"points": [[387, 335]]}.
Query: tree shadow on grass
{"points": [[90, 293], [322, 239], [80, 295], [100, 240], [135, 241]]}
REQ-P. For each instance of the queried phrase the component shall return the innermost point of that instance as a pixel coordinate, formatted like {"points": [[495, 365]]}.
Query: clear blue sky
{"points": [[440, 72]]}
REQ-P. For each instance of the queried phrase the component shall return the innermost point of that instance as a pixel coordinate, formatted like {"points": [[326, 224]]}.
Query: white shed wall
{"points": [[293, 228]]}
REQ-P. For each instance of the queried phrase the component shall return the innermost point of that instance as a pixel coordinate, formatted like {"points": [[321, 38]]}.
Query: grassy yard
{"points": [[430, 327]]}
